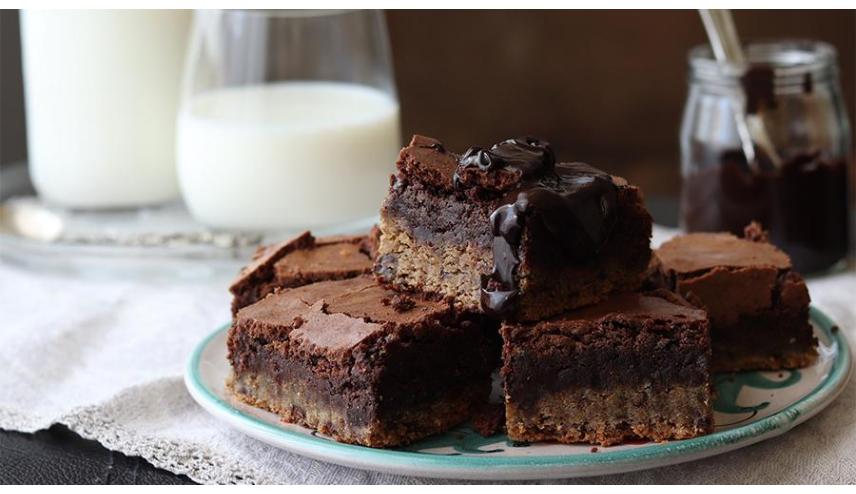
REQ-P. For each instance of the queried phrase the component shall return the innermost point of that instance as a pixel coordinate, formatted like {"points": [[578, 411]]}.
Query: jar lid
{"points": [[790, 60]]}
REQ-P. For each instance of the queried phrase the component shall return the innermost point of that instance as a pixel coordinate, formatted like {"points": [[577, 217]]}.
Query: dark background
{"points": [[606, 87]]}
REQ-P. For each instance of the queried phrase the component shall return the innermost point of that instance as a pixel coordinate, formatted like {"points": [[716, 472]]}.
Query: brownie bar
{"points": [[633, 366], [300, 261], [361, 363], [508, 231], [758, 306]]}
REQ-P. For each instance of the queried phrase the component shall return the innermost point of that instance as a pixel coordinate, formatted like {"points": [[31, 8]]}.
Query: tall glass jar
{"points": [[800, 195]]}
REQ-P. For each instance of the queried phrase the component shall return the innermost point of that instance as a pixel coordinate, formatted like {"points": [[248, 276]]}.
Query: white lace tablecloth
{"points": [[106, 357]]}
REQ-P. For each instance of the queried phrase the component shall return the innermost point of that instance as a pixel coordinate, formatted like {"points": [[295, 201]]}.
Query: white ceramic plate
{"points": [[750, 407]]}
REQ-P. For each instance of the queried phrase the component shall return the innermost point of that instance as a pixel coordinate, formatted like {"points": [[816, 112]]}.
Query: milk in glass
{"points": [[286, 155], [102, 92]]}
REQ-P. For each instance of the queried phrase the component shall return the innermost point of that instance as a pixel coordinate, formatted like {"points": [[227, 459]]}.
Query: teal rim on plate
{"points": [[687, 449]]}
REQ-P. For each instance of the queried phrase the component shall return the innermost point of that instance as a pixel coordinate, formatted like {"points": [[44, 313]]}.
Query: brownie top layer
{"points": [[305, 256], [329, 257], [696, 252], [262, 263], [340, 314], [658, 305], [506, 167], [732, 277], [426, 160]]}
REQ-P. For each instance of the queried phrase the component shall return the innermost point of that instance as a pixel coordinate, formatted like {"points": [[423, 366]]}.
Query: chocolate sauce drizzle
{"points": [[528, 155], [571, 205], [520, 158]]}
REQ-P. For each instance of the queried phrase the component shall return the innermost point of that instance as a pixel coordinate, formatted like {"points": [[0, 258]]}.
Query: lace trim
{"points": [[14, 420], [191, 459]]}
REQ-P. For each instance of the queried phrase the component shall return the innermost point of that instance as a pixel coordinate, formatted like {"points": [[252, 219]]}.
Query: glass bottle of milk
{"points": [[101, 91], [289, 119]]}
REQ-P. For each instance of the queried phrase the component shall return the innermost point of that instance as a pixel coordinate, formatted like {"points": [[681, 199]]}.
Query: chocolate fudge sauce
{"points": [[525, 155], [573, 203], [803, 204], [758, 86], [802, 200]]}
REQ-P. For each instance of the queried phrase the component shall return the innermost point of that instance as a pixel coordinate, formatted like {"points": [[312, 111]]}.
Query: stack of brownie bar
{"points": [[503, 258], [756, 302]]}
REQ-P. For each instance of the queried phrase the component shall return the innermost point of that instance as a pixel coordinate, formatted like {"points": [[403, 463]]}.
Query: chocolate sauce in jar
{"points": [[803, 205], [803, 199], [759, 88]]}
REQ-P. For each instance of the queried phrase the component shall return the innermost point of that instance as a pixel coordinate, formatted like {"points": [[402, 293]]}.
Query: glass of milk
{"points": [[289, 119], [101, 90]]}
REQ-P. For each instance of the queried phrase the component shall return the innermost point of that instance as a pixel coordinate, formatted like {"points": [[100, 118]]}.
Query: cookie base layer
{"points": [[734, 355], [607, 417], [732, 362], [446, 269], [455, 271], [299, 404]]}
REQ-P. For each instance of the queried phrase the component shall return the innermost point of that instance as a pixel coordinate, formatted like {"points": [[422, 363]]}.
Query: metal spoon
{"points": [[727, 49]]}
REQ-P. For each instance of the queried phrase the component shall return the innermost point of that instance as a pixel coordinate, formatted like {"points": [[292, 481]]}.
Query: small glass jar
{"points": [[799, 196]]}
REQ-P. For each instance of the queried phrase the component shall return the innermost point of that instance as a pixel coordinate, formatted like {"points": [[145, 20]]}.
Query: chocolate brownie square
{"points": [[361, 363], [299, 261], [509, 231], [758, 306], [636, 366]]}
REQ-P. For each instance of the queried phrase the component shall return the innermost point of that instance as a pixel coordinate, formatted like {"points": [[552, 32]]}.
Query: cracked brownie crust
{"points": [[299, 261], [634, 366], [758, 306], [361, 363]]}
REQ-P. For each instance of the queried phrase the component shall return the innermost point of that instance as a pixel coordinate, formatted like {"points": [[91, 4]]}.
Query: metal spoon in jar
{"points": [[727, 49]]}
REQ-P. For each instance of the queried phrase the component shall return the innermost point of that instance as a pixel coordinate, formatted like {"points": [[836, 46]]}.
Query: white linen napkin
{"points": [[106, 357]]}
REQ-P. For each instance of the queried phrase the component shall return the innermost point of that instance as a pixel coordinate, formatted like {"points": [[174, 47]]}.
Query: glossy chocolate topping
{"points": [[504, 164], [573, 204]]}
